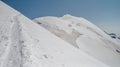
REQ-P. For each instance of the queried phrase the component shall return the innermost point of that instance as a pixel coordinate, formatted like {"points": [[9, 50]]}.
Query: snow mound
{"points": [[24, 43], [85, 36]]}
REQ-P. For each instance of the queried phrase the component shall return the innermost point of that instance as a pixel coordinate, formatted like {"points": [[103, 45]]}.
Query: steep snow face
{"points": [[85, 36], [24, 43], [9, 38]]}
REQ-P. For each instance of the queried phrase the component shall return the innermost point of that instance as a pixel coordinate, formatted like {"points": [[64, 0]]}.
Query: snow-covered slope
{"points": [[24, 43], [85, 36]]}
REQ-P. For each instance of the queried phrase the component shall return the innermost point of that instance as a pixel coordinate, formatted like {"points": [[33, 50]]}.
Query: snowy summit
{"points": [[66, 41]]}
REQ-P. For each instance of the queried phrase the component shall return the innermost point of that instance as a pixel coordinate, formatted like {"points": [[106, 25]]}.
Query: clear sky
{"points": [[103, 13]]}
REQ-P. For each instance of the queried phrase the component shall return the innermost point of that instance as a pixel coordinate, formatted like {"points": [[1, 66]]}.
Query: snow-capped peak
{"points": [[24, 43], [67, 16], [85, 36], [74, 42]]}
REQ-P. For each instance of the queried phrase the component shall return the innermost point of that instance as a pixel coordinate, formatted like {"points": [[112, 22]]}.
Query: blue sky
{"points": [[103, 13]]}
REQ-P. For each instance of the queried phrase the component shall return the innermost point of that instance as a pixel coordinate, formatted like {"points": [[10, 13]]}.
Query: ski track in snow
{"points": [[12, 56]]}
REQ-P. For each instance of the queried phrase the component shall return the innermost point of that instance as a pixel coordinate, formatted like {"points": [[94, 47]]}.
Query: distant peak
{"points": [[67, 15]]}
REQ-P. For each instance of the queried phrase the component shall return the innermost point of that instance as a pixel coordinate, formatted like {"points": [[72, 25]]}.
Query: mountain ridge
{"points": [[23, 43], [84, 35]]}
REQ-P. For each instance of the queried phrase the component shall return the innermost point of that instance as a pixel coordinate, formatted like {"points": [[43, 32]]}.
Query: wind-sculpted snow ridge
{"points": [[85, 36], [24, 43]]}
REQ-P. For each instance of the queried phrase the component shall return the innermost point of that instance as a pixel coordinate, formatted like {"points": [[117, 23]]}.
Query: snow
{"points": [[85, 36], [24, 43]]}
